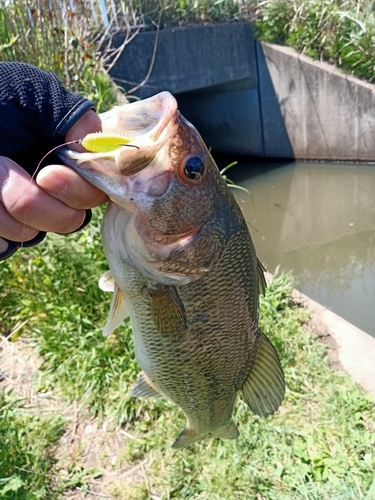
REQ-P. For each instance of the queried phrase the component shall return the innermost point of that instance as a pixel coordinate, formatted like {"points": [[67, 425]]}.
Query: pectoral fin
{"points": [[143, 388], [264, 388], [106, 282], [117, 312], [167, 310]]}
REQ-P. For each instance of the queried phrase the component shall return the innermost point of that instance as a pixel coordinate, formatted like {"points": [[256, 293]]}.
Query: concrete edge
{"points": [[355, 348], [329, 68]]}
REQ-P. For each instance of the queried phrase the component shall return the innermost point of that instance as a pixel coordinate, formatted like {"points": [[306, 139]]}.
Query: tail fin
{"points": [[264, 388]]}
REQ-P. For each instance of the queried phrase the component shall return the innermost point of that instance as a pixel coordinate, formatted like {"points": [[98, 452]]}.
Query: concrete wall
{"points": [[250, 98], [187, 59], [326, 114]]}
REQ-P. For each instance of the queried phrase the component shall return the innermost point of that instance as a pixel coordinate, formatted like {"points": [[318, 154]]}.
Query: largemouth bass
{"points": [[184, 269]]}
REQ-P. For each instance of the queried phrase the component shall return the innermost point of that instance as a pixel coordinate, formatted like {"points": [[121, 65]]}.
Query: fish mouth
{"points": [[148, 123]]}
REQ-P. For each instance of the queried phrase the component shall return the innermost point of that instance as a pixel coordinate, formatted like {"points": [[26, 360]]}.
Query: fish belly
{"points": [[200, 363]]}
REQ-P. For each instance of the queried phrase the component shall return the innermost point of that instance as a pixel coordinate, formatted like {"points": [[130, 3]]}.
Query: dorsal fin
{"points": [[228, 432], [264, 388]]}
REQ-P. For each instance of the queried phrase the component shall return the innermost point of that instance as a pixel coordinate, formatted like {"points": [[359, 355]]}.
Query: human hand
{"points": [[55, 201], [37, 114]]}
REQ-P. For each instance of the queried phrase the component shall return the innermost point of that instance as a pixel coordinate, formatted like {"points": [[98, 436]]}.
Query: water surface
{"points": [[318, 221]]}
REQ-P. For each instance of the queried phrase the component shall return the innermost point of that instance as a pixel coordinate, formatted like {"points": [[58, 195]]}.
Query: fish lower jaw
{"points": [[122, 202], [80, 158]]}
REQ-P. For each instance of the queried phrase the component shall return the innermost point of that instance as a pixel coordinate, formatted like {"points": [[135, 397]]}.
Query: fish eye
{"points": [[194, 168]]}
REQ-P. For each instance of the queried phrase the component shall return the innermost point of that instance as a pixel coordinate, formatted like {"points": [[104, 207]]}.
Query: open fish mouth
{"points": [[146, 126]]}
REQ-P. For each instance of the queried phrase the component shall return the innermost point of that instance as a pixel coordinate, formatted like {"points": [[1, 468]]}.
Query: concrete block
{"points": [[327, 114], [227, 117], [276, 143], [187, 59], [355, 348]]}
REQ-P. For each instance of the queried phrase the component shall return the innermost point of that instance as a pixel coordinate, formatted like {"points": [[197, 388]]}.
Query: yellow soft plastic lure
{"points": [[99, 142], [96, 142]]}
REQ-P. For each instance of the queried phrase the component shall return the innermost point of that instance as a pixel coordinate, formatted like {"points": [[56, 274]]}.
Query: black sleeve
{"points": [[36, 112]]}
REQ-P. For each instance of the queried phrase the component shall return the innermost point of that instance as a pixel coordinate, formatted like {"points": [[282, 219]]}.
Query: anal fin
{"points": [[228, 432], [143, 388], [264, 388], [189, 436]]}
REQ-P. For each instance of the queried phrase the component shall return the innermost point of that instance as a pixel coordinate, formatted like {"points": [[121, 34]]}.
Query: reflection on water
{"points": [[317, 220]]}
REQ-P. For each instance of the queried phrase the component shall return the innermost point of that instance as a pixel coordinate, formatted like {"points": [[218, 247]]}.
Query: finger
{"points": [[29, 205], [3, 245], [11, 228], [14, 230], [70, 188], [6, 250]]}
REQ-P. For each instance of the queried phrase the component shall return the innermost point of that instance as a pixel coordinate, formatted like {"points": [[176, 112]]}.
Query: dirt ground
{"points": [[87, 443]]}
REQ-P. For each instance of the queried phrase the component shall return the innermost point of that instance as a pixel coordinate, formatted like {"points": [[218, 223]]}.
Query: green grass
{"points": [[319, 446], [26, 457], [55, 288], [29, 440]]}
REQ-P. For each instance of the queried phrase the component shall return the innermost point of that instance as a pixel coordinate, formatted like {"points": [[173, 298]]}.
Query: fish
{"points": [[183, 267]]}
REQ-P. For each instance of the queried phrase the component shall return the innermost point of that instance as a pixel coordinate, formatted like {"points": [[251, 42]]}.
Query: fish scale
{"points": [[185, 270]]}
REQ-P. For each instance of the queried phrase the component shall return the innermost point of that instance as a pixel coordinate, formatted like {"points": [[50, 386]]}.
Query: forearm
{"points": [[36, 112]]}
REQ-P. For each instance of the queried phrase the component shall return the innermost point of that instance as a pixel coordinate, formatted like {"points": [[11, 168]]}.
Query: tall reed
{"points": [[338, 31], [49, 34]]}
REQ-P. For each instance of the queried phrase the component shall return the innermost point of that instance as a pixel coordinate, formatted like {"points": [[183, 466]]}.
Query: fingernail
{"points": [[55, 185]]}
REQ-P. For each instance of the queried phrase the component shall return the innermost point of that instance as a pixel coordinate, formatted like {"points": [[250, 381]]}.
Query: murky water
{"points": [[317, 220]]}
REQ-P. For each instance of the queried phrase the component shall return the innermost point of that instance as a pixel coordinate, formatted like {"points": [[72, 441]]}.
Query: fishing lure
{"points": [[99, 142], [96, 142]]}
